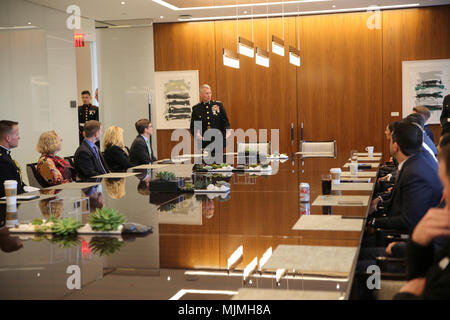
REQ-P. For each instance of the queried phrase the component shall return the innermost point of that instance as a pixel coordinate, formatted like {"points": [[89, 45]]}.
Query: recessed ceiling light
{"points": [[334, 6], [245, 12], [123, 2], [161, 17], [29, 22]]}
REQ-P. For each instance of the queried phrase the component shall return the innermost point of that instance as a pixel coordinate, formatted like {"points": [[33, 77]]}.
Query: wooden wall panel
{"points": [[414, 34], [255, 96], [184, 46], [339, 83]]}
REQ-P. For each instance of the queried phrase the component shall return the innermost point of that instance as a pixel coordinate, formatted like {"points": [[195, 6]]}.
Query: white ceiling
{"points": [[106, 10]]}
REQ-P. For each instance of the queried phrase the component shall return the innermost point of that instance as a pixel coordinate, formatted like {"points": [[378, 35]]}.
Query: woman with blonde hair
{"points": [[116, 153], [53, 169]]}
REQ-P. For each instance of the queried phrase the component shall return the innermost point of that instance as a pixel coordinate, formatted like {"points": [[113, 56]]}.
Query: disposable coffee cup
{"points": [[369, 151], [336, 175], [10, 191], [353, 169]]}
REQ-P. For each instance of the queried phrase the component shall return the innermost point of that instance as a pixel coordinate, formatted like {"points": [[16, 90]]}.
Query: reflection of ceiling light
{"points": [[265, 258], [262, 57], [372, 8], [182, 292], [235, 256], [230, 59], [278, 46], [175, 8], [246, 47], [17, 27], [294, 56], [250, 268]]}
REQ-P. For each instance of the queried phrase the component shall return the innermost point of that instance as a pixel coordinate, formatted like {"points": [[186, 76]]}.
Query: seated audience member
{"points": [[427, 143], [417, 186], [426, 114], [53, 169], [116, 153], [88, 159], [446, 128], [9, 168], [141, 151], [429, 273]]}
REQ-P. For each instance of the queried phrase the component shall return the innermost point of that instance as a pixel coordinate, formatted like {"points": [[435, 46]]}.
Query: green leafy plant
{"points": [[106, 219], [166, 175], [37, 222], [189, 186], [66, 226], [105, 246]]}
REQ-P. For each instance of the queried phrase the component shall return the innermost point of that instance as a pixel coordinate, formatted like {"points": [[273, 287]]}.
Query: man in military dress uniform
{"points": [[212, 114], [9, 169], [86, 112], [445, 115]]}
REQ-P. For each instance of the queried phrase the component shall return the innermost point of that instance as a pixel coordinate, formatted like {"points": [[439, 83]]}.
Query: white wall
{"points": [[37, 77], [126, 76]]}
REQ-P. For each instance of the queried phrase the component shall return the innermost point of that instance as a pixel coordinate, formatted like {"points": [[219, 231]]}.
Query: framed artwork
{"points": [[176, 93], [425, 83]]}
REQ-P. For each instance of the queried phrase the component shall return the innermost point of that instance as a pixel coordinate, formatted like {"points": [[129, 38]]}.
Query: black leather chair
{"points": [[34, 178]]}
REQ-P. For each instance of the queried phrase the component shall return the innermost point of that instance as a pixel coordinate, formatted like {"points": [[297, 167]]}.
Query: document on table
{"points": [[327, 223], [366, 154], [344, 201], [275, 294], [367, 158], [151, 166], [317, 260], [347, 174], [73, 185], [352, 186], [117, 175]]}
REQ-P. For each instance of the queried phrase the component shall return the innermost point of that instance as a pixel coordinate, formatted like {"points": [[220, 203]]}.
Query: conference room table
{"points": [[185, 256]]}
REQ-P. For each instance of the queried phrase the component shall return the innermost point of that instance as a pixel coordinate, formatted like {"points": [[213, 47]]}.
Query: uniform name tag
{"points": [[444, 263]]}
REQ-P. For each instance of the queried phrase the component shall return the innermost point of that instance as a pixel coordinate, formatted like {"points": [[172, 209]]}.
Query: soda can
{"points": [[305, 208], [304, 192]]}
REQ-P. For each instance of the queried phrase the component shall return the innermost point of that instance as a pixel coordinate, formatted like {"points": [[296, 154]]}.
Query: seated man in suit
{"points": [[417, 186], [429, 273], [88, 159], [427, 144], [141, 151], [9, 169]]}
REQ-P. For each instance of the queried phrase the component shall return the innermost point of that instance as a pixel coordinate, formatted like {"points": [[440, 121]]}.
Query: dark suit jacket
{"points": [[417, 189], [139, 152], [430, 143], [421, 262], [87, 164], [117, 159], [9, 171]]}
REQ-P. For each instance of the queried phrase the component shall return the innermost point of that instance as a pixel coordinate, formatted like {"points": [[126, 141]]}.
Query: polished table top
{"points": [[193, 236]]}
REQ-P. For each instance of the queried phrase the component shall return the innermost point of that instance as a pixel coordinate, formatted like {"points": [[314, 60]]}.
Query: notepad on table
{"points": [[333, 200], [352, 186], [327, 223]]}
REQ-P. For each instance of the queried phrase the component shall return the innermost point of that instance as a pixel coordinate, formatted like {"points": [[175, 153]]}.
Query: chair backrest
{"points": [[70, 160], [34, 178], [258, 147], [318, 149]]}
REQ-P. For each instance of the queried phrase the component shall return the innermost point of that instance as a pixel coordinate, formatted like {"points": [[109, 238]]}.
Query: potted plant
{"points": [[166, 181]]}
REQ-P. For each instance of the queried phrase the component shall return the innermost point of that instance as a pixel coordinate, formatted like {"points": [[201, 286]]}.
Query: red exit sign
{"points": [[79, 40]]}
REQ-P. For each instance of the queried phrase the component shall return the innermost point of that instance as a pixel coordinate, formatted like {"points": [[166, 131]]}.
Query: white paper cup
{"points": [[369, 151], [353, 169], [336, 175]]}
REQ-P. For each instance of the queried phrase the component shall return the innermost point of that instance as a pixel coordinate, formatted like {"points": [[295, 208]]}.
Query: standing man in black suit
{"points": [[211, 114], [86, 112], [9, 168], [445, 115], [88, 159], [141, 151]]}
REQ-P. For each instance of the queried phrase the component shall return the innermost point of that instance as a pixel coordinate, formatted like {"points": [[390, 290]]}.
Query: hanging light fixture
{"points": [[294, 56], [246, 47], [231, 59], [277, 43], [278, 46], [262, 57]]}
